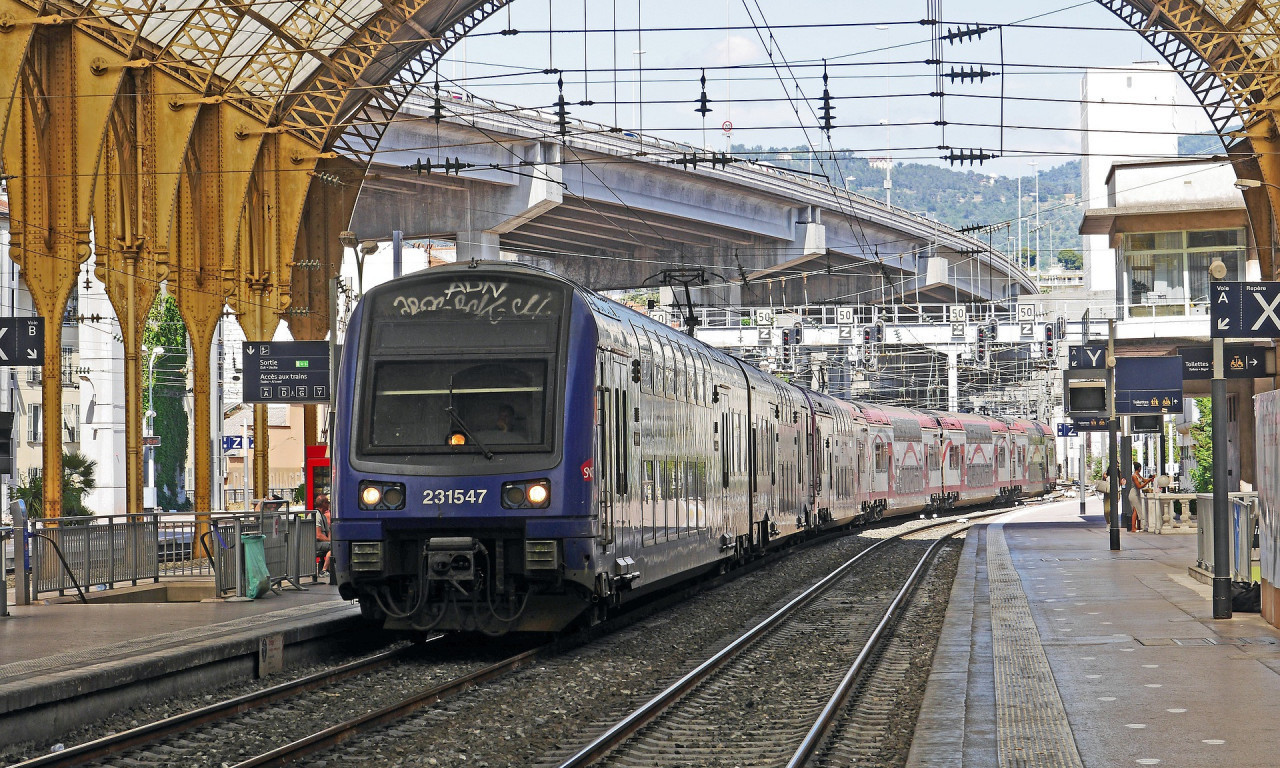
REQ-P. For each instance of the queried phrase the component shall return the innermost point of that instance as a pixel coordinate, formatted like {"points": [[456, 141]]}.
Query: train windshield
{"points": [[463, 363], [421, 404]]}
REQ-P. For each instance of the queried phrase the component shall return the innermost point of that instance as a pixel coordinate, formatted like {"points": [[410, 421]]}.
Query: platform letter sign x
{"points": [[1268, 312], [1244, 310]]}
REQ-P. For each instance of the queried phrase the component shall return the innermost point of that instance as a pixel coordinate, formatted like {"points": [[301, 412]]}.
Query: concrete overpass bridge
{"points": [[612, 208]]}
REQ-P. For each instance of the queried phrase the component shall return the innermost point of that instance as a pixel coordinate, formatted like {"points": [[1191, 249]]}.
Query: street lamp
{"points": [[149, 492], [1244, 185]]}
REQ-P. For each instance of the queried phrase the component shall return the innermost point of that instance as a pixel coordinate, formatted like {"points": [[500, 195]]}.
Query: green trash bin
{"points": [[257, 579]]}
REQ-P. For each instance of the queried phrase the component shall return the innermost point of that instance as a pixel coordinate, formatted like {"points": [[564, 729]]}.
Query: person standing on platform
{"points": [[324, 541], [1137, 486]]}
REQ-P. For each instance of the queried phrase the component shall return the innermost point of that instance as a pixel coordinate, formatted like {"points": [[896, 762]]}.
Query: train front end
{"points": [[462, 458]]}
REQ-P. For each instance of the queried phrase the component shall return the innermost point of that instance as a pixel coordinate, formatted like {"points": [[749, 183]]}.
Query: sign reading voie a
{"points": [[1148, 384], [1244, 310], [286, 371]]}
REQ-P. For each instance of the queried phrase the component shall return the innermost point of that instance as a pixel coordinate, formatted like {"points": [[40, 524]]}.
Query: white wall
{"points": [[102, 437], [1204, 183], [1145, 100]]}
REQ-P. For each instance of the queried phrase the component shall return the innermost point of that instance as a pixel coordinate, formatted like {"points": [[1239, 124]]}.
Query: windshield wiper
{"points": [[488, 454]]}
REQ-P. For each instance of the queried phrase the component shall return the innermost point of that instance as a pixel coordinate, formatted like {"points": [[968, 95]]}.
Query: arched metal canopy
{"points": [[204, 143]]}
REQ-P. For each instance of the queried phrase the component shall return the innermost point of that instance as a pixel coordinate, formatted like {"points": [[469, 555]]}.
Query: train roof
{"points": [[873, 413]]}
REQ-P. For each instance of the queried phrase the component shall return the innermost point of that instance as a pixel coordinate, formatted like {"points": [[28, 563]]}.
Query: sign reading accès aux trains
{"points": [[286, 371]]}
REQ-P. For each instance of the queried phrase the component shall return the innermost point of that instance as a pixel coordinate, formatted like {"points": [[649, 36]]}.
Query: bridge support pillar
{"points": [[478, 245]]}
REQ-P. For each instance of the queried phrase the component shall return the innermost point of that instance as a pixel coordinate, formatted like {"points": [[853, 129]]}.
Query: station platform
{"points": [[63, 662], [1057, 651]]}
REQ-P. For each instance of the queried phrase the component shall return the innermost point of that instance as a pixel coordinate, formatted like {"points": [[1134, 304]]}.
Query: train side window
{"points": [[646, 363], [649, 507], [682, 373], [725, 447]]}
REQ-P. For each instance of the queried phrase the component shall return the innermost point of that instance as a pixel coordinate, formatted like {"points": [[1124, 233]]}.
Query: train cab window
{"points": [[502, 405]]}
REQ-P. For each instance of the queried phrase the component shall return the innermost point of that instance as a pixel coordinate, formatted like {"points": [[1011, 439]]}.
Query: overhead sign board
{"points": [[286, 372], [21, 341], [1089, 425], [231, 443], [1087, 356], [1148, 385], [1241, 361], [1244, 310], [1066, 429]]}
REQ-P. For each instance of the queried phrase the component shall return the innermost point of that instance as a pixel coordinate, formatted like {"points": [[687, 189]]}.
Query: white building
{"points": [[1134, 114]]}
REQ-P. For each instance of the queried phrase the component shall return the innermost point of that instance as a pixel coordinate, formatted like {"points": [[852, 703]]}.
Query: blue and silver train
{"points": [[516, 453]]}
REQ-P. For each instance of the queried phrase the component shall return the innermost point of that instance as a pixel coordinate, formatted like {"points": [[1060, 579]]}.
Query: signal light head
{"points": [[457, 438]]}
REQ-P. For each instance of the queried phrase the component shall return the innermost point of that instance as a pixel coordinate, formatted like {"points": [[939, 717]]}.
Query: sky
{"points": [[764, 58]]}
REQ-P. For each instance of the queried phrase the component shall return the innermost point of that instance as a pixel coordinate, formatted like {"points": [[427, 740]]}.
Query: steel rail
{"points": [[336, 734], [649, 711], [836, 703], [151, 732]]}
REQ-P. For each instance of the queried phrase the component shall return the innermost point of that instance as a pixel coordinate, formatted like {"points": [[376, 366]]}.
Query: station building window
{"points": [[1167, 273]]}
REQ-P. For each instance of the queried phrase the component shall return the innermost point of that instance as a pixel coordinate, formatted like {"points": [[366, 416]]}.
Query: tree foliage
{"points": [[165, 328], [1202, 434], [78, 481]]}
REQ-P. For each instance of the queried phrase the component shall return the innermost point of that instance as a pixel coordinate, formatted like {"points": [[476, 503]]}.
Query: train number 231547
{"points": [[453, 496]]}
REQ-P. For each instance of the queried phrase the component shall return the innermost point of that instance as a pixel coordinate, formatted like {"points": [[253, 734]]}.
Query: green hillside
{"points": [[960, 197]]}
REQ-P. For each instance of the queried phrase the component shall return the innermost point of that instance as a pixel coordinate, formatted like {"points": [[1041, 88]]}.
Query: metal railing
{"points": [[289, 545], [1243, 547], [813, 315], [6, 556], [109, 551]]}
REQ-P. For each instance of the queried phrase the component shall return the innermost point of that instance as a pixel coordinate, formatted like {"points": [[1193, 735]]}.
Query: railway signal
{"points": [[980, 352], [1048, 341]]}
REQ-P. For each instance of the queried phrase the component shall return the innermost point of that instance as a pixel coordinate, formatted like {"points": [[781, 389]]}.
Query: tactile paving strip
{"points": [[1031, 724], [154, 642]]}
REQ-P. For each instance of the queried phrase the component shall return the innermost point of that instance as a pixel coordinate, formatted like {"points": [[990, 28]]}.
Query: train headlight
{"points": [[378, 495], [526, 494]]}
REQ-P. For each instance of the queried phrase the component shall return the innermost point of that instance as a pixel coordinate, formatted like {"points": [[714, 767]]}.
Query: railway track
{"points": [[771, 696], [190, 735], [681, 726]]}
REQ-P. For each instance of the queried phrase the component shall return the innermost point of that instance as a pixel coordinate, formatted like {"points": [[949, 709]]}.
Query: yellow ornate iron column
{"points": [[268, 233], [133, 210], [215, 175], [318, 258], [55, 126]]}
